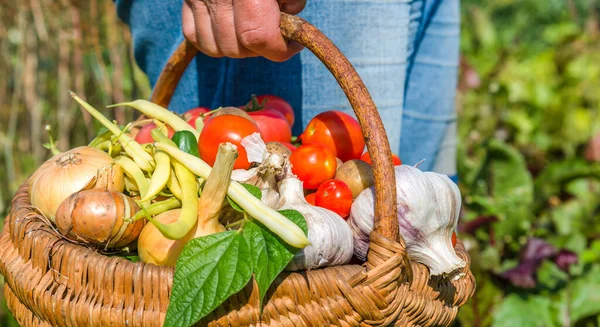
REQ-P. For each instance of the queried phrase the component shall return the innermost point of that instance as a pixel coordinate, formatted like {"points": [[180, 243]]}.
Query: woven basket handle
{"points": [[297, 29]]}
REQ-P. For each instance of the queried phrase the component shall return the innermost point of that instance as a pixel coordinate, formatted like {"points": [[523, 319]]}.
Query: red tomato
{"points": [[454, 239], [366, 157], [338, 131], [144, 134], [191, 115], [278, 104], [336, 196], [225, 128], [310, 198], [272, 125], [313, 164]]}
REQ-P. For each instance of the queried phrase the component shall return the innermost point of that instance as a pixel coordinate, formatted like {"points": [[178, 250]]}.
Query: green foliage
{"points": [[524, 127], [209, 270], [212, 268]]}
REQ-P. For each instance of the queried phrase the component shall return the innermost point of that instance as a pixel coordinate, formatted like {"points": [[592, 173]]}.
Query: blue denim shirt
{"points": [[406, 52]]}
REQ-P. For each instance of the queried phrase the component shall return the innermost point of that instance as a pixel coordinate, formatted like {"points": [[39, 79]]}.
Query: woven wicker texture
{"points": [[50, 281]]}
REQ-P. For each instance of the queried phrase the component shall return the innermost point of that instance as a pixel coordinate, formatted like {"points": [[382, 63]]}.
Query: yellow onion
{"points": [[154, 247], [70, 172], [99, 218]]}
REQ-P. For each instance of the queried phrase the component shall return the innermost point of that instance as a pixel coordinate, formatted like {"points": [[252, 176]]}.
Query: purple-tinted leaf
{"points": [[564, 259], [471, 226], [522, 275], [535, 251]]}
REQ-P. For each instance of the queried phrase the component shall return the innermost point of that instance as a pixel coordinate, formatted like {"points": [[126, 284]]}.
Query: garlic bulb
{"points": [[329, 235], [273, 164], [428, 208]]}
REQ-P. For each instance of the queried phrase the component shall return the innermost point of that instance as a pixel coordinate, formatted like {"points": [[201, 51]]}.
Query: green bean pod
{"points": [[133, 149], [188, 215], [160, 176], [273, 220], [157, 208], [132, 170], [153, 110]]}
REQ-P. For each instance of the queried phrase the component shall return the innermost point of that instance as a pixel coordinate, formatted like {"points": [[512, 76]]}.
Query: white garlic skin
{"points": [[428, 209], [329, 234]]}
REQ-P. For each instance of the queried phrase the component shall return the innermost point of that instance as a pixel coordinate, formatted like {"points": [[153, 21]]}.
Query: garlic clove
{"points": [[242, 175], [428, 209], [330, 236], [255, 147]]}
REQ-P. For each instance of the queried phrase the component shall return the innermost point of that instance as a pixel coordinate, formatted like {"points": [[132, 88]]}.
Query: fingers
{"points": [[223, 27], [239, 28], [259, 30], [197, 28]]}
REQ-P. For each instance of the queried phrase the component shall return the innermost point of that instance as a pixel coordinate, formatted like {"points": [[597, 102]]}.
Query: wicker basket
{"points": [[52, 282]]}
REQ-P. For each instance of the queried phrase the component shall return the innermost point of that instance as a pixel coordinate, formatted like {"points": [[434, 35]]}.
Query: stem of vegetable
{"points": [[199, 123], [215, 188], [157, 208], [153, 110], [101, 138], [51, 145], [273, 220], [141, 157], [237, 223], [188, 216], [131, 169]]}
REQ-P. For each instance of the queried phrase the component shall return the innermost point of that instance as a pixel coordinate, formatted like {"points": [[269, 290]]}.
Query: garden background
{"points": [[528, 109]]}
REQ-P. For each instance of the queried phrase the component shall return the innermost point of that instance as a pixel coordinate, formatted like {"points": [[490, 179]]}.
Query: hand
{"points": [[239, 28]]}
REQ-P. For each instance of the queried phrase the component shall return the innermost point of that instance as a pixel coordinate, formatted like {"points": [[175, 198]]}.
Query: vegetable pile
{"points": [[228, 194]]}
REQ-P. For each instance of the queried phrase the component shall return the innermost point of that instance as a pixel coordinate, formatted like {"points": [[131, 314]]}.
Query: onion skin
{"points": [[97, 217], [153, 247], [70, 172]]}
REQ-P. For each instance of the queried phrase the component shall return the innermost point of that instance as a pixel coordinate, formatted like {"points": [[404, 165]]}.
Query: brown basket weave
{"points": [[52, 282]]}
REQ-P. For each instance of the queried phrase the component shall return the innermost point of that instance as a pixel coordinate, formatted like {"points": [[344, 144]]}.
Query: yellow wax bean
{"points": [[166, 116], [273, 220], [160, 176], [133, 149]]}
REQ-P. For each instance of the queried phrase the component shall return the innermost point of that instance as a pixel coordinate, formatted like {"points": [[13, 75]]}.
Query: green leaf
{"points": [[557, 174], [551, 276], [582, 297], [270, 255], [592, 254], [254, 190], [524, 311], [295, 217], [511, 181], [209, 270], [511, 187]]}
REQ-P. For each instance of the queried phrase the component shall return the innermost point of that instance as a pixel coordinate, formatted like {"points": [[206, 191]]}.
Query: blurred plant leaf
{"points": [[554, 177], [582, 298], [551, 276], [511, 187], [524, 311]]}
